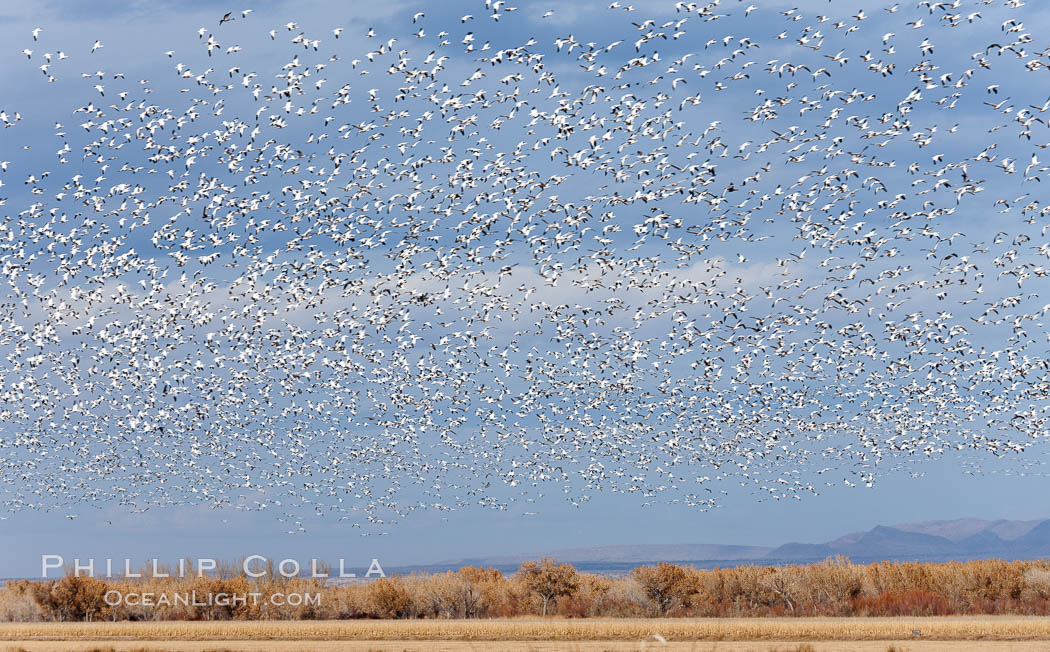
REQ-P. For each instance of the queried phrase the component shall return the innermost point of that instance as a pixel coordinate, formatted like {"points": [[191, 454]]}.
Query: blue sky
{"points": [[530, 283], [943, 492]]}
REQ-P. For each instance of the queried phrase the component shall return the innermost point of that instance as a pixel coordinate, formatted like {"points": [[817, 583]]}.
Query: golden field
{"points": [[963, 628], [524, 646], [527, 646]]}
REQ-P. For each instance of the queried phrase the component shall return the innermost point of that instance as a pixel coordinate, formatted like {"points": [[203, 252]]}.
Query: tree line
{"points": [[834, 587]]}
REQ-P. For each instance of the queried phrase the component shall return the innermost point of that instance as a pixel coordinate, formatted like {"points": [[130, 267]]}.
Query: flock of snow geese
{"points": [[479, 254]]}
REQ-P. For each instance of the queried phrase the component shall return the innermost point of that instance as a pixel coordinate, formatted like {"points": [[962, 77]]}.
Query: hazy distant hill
{"points": [[962, 528], [635, 553], [959, 539]]}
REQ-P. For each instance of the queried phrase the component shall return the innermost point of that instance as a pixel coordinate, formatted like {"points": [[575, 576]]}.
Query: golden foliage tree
{"points": [[666, 585], [548, 579]]}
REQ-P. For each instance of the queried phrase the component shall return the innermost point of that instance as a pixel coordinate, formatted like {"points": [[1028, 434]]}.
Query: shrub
{"points": [[1037, 580], [389, 598], [17, 604], [70, 598], [912, 602]]}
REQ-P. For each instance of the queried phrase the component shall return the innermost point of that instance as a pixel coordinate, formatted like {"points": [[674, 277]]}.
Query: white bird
{"points": [[485, 274]]}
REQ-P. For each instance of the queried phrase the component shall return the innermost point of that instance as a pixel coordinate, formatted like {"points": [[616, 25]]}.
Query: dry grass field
{"points": [[525, 646], [1029, 630]]}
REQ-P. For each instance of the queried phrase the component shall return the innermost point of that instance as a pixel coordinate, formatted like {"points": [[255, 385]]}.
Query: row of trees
{"points": [[835, 587]]}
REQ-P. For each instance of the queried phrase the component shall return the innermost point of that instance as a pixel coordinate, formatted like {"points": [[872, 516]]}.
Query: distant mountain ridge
{"points": [[935, 541], [962, 528], [960, 539]]}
